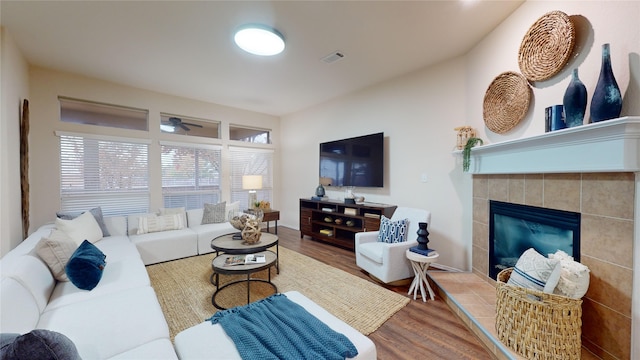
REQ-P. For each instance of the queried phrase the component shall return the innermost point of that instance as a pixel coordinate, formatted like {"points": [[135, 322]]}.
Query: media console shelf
{"points": [[337, 223]]}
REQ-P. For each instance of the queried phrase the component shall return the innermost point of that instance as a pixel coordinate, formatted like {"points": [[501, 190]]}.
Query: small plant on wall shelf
{"points": [[466, 152]]}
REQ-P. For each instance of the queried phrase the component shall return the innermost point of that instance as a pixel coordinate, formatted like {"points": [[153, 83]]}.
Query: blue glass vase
{"points": [[607, 101], [574, 101]]}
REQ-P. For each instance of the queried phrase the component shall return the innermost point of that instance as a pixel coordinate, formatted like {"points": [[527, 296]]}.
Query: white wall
{"points": [[417, 114], [599, 22], [14, 85], [47, 85]]}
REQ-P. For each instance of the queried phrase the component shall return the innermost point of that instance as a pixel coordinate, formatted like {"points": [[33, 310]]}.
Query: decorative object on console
{"points": [[349, 198], [464, 133], [574, 101], [606, 102], [252, 183], [466, 153], [547, 46], [506, 102]]}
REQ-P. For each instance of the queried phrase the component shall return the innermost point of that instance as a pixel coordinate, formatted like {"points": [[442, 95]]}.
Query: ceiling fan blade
{"points": [[190, 124], [184, 127]]}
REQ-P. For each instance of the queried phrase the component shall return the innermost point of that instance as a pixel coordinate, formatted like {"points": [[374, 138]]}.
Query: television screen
{"points": [[355, 161]]}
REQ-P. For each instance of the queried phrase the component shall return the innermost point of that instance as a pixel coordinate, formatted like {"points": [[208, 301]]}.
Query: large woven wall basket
{"points": [[506, 102], [537, 325]]}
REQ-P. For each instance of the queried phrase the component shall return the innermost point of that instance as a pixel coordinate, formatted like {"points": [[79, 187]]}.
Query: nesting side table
{"points": [[420, 265]]}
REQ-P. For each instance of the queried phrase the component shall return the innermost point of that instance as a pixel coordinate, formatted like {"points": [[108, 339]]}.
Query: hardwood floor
{"points": [[419, 331]]}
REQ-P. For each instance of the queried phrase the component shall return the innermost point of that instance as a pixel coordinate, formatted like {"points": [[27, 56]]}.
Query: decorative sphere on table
{"points": [[251, 232], [423, 236]]}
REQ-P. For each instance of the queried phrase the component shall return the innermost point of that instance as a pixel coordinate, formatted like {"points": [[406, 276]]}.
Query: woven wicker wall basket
{"points": [[537, 325], [506, 102], [547, 46]]}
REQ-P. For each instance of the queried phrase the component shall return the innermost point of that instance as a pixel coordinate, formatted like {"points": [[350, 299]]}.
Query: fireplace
{"points": [[514, 228]]}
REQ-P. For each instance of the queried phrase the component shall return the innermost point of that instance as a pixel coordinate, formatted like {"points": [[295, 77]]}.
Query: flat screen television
{"points": [[357, 161]]}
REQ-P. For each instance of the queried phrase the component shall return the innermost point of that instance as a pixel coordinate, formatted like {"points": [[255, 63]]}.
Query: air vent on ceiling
{"points": [[333, 57]]}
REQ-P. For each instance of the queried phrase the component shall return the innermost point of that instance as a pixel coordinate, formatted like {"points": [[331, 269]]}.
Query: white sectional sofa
{"points": [[118, 319]]}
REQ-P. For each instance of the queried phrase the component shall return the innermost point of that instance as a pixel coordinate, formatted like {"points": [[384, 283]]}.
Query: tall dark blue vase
{"points": [[574, 101], [607, 101]]}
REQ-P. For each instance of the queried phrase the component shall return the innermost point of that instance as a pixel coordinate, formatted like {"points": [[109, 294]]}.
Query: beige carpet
{"points": [[184, 291]]}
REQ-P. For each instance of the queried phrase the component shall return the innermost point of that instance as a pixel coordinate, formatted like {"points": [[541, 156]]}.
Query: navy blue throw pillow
{"points": [[84, 269]]}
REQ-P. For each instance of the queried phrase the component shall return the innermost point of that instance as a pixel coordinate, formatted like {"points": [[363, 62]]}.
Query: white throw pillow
{"points": [[84, 227], [574, 276], [170, 211], [56, 250], [536, 272], [153, 223]]}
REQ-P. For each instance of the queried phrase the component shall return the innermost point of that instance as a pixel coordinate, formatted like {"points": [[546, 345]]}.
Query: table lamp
{"points": [[252, 183]]}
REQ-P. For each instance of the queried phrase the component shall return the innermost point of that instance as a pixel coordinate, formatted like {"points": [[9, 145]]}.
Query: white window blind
{"points": [[190, 175], [251, 161], [112, 174]]}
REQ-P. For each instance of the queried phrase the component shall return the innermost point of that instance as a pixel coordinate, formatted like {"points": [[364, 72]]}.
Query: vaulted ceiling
{"points": [[185, 48]]}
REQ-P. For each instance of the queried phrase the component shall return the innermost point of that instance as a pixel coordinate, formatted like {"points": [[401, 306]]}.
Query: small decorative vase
{"points": [[607, 101], [320, 191], [574, 101], [423, 236]]}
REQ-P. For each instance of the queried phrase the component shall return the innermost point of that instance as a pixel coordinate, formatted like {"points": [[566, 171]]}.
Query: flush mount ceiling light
{"points": [[259, 40]]}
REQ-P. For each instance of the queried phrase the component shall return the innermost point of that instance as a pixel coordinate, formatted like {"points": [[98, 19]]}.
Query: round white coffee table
{"points": [[420, 265]]}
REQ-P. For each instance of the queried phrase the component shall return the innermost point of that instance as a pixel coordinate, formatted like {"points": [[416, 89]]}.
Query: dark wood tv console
{"points": [[337, 223]]}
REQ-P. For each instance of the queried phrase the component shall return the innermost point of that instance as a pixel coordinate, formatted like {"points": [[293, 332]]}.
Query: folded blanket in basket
{"points": [[277, 328]]}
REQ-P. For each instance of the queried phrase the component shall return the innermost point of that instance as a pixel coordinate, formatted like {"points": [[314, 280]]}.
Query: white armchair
{"points": [[387, 262]]}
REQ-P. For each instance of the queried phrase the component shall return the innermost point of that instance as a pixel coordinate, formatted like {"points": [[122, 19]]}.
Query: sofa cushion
{"points": [[40, 344], [534, 271], [56, 250], [154, 223], [393, 231], [84, 227], [97, 214], [19, 310], [214, 213], [109, 325], [85, 267]]}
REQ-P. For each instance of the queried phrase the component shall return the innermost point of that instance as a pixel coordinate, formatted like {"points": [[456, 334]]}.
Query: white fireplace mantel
{"points": [[607, 146]]}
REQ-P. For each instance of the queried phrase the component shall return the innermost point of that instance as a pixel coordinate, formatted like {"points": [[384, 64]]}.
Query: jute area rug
{"points": [[184, 290]]}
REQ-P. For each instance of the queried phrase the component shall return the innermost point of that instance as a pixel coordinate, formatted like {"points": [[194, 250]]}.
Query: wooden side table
{"points": [[269, 215], [420, 265]]}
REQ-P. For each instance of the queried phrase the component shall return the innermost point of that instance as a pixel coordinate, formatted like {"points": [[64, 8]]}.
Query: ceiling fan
{"points": [[175, 122]]}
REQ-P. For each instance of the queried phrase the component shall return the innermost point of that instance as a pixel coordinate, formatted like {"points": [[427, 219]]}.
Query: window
{"points": [[190, 175], [252, 135], [107, 172], [93, 113], [251, 161], [183, 125]]}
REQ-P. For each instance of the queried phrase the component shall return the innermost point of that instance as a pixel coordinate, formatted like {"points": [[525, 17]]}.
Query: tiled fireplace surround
{"points": [[594, 170]]}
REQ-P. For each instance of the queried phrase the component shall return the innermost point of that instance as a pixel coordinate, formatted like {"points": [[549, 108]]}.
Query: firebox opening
{"points": [[514, 228]]}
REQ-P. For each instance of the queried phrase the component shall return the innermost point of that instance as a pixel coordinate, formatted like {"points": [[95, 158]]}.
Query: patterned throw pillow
{"points": [[153, 223], [214, 213], [534, 271], [393, 231]]}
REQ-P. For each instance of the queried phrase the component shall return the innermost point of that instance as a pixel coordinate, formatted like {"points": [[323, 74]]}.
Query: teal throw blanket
{"points": [[277, 328]]}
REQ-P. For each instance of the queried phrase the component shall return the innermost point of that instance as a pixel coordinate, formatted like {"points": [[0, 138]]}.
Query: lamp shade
{"points": [[251, 182]]}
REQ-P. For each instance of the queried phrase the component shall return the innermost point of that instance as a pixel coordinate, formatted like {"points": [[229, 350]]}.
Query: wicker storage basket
{"points": [[548, 328]]}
